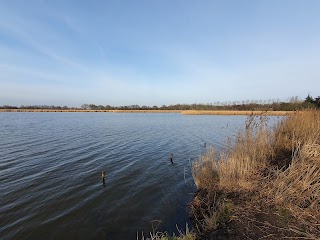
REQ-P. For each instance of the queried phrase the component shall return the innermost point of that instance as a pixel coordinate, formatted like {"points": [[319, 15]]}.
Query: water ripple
{"points": [[50, 171]]}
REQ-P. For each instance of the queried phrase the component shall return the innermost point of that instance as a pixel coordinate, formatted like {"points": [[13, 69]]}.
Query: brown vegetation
{"points": [[266, 184], [235, 112], [154, 235]]}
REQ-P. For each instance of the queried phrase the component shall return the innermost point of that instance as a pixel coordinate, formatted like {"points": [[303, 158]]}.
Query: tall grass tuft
{"points": [[239, 167], [187, 235], [297, 186], [298, 130]]}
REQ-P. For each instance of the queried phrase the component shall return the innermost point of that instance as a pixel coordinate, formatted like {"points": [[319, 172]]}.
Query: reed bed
{"points": [[236, 112], [297, 186], [239, 167], [280, 166], [147, 111]]}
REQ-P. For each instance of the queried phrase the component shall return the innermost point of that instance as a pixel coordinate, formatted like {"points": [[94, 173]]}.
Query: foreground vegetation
{"points": [[187, 235], [266, 184]]}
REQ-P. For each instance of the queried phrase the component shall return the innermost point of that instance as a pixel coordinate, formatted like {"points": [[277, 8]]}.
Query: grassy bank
{"points": [[184, 112], [264, 185]]}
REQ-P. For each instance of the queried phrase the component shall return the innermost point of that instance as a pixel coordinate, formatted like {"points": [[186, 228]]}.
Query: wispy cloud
{"points": [[113, 55]]}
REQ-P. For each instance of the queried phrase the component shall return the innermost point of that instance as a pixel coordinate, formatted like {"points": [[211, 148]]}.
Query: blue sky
{"points": [[157, 52]]}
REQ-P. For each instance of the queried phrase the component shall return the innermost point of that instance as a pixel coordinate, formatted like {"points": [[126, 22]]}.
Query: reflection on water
{"points": [[51, 163]]}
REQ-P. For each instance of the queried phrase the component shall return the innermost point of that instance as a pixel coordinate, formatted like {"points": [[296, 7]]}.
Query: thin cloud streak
{"points": [[106, 59]]}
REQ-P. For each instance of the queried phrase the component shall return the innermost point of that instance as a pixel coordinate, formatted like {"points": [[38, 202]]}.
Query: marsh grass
{"points": [[281, 164], [236, 112], [209, 210], [239, 167], [297, 187], [156, 235]]}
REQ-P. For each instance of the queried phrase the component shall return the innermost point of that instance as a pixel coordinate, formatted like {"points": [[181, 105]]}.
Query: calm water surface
{"points": [[50, 172]]}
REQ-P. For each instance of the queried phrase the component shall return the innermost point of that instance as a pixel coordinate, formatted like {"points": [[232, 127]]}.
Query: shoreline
{"points": [[183, 112], [236, 112], [258, 189]]}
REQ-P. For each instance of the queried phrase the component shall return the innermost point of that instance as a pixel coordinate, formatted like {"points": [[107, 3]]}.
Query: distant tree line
{"points": [[35, 107], [291, 104]]}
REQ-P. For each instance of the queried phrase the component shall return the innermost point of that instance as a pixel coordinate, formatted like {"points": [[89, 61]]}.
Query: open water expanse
{"points": [[50, 172]]}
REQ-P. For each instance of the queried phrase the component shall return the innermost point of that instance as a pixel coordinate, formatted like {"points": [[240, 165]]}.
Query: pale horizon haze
{"points": [[157, 52]]}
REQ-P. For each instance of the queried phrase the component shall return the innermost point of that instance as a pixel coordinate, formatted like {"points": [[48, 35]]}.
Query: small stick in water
{"points": [[103, 174]]}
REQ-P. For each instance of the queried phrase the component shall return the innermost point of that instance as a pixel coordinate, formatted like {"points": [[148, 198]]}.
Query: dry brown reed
{"points": [[297, 187], [297, 130], [239, 167], [187, 235], [255, 163], [209, 210], [236, 112]]}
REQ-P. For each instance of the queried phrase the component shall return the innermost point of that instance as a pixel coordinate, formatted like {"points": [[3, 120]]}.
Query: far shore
{"points": [[228, 112], [184, 112]]}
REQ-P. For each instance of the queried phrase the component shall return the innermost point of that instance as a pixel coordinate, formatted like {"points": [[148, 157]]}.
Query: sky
{"points": [[157, 52]]}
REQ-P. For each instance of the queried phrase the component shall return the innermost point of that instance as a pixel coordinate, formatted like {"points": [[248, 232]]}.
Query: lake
{"points": [[51, 163]]}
